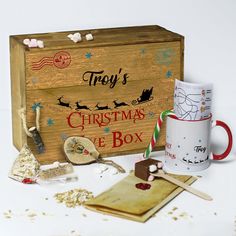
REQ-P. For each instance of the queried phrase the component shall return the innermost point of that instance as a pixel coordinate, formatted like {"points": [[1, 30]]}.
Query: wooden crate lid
{"points": [[104, 37]]}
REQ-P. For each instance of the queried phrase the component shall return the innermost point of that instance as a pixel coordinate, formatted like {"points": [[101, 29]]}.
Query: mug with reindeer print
{"points": [[188, 144]]}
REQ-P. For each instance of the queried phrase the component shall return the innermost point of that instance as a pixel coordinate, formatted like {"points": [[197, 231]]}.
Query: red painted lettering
{"points": [[117, 141]]}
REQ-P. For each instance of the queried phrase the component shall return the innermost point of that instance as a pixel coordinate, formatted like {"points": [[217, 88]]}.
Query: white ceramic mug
{"points": [[188, 144]]}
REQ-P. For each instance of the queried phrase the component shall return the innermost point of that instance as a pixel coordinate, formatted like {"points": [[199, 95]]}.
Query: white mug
{"points": [[188, 144]]}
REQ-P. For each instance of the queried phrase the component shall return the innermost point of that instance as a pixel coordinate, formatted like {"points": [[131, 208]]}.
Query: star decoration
{"points": [[88, 55], [168, 74], [34, 80], [106, 129], [50, 122], [37, 104], [151, 114], [142, 51], [64, 136]]}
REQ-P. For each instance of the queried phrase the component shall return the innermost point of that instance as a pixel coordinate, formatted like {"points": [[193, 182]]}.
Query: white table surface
{"points": [[201, 217]]}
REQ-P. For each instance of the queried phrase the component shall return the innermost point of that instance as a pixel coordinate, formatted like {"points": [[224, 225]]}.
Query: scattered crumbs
{"points": [[100, 176], [199, 176], [174, 208], [73, 198], [32, 215], [170, 213], [84, 215], [66, 215], [191, 216], [8, 214], [74, 233], [26, 210], [215, 213], [46, 198], [105, 219], [174, 218], [183, 215], [43, 213]]}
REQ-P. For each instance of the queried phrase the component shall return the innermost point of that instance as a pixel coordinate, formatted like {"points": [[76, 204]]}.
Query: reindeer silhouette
{"points": [[119, 104], [78, 107], [102, 108], [64, 104]]}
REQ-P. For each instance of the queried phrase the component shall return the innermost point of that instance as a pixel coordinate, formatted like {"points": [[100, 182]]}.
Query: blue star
{"points": [[168, 74], [106, 129], [142, 51], [34, 80], [151, 114], [37, 104], [50, 122], [88, 55], [64, 136]]}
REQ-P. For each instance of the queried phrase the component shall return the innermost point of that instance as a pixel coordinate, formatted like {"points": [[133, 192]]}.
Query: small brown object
{"points": [[142, 168]]}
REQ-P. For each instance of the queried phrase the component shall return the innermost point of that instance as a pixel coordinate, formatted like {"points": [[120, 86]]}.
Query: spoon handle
{"points": [[111, 163], [183, 185]]}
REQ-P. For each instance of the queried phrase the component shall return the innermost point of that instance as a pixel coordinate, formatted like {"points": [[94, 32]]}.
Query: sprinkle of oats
{"points": [[73, 198], [32, 215]]}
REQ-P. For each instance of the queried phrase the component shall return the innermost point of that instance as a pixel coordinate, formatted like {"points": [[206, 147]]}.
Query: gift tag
{"points": [[80, 150]]}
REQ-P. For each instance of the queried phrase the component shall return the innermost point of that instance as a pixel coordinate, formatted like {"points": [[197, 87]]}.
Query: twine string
{"points": [[22, 114]]}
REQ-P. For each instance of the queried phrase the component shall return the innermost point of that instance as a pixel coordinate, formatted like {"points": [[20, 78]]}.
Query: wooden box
{"points": [[111, 89]]}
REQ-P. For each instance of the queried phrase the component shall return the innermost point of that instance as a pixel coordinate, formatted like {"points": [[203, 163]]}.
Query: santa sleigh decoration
{"points": [[146, 96]]}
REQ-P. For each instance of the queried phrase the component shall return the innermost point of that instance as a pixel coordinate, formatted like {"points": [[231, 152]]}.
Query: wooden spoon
{"points": [[171, 179]]}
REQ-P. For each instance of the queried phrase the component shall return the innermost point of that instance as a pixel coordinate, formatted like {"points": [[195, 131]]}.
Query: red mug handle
{"points": [[230, 140]]}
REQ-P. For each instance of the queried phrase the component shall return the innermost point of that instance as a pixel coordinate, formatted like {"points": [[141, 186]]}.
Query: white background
{"points": [[210, 50]]}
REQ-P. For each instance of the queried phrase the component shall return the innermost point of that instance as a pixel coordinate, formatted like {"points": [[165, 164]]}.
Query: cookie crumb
{"points": [[84, 215], [175, 218], [174, 208]]}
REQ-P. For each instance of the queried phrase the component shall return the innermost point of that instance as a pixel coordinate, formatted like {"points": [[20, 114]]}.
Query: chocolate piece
{"points": [[142, 168]]}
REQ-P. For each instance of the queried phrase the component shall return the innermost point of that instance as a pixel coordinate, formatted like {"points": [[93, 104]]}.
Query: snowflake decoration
{"points": [[151, 114], [64, 136], [107, 130], [168, 74], [34, 80], [50, 122], [37, 104], [142, 51], [88, 55]]}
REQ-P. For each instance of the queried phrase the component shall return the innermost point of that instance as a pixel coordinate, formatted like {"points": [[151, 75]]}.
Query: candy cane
{"points": [[157, 131]]}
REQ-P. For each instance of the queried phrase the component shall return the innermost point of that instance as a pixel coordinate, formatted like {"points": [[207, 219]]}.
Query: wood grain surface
{"points": [[110, 91]]}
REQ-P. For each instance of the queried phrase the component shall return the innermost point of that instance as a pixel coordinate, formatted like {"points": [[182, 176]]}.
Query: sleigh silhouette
{"points": [[146, 96]]}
